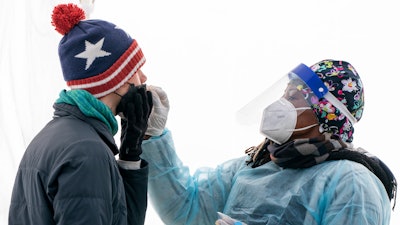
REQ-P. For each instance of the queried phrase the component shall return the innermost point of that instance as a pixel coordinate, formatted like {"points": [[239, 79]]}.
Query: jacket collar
{"points": [[66, 110]]}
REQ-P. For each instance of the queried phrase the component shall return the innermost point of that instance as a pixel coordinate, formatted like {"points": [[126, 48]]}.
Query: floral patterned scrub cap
{"points": [[344, 83]]}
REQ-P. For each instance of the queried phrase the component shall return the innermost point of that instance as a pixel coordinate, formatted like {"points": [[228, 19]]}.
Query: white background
{"points": [[211, 57]]}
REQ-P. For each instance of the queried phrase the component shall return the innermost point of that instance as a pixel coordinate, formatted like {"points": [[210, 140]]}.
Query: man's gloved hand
{"points": [[159, 114], [136, 106]]}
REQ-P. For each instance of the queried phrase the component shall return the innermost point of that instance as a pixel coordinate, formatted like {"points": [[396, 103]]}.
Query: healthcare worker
{"points": [[306, 171]]}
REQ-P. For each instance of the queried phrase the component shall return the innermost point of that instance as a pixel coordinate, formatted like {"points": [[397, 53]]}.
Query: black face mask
{"points": [[128, 97]]}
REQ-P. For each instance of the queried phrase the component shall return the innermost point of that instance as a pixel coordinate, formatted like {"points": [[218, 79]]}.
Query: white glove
{"points": [[159, 114], [227, 220]]}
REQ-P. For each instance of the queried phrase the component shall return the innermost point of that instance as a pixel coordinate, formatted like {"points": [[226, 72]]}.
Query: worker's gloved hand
{"points": [[136, 106], [227, 220], [159, 114]]}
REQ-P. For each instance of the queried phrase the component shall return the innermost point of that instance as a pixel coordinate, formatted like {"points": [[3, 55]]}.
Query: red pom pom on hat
{"points": [[66, 16]]}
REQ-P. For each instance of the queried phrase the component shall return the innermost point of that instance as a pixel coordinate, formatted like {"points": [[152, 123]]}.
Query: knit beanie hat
{"points": [[344, 83], [95, 55]]}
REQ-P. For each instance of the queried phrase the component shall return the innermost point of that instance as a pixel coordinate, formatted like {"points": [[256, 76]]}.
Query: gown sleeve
{"points": [[182, 198]]}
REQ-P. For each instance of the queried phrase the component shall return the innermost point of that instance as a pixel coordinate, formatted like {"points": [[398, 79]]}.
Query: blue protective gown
{"points": [[331, 193]]}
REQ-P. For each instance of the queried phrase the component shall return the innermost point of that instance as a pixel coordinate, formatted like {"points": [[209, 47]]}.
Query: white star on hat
{"points": [[92, 51]]}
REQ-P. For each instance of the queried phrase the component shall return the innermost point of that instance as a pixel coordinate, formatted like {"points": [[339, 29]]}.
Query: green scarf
{"points": [[90, 107]]}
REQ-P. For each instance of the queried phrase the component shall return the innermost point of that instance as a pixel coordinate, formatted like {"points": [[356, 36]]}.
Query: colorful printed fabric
{"points": [[345, 84]]}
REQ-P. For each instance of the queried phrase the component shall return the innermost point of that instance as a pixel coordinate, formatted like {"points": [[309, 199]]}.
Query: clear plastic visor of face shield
{"points": [[299, 78]]}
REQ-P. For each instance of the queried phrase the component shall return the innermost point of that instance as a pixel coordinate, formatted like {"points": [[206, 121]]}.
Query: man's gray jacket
{"points": [[69, 175]]}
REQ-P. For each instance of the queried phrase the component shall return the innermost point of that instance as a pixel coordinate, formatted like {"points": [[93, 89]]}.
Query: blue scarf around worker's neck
{"points": [[90, 107]]}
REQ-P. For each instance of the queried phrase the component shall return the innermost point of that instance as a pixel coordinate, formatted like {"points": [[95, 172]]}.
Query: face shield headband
{"points": [[312, 80]]}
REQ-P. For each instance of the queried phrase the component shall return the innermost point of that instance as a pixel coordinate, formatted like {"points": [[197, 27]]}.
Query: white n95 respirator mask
{"points": [[279, 121]]}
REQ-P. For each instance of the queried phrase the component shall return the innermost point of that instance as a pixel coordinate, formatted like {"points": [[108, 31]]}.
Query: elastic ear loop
{"points": [[117, 94]]}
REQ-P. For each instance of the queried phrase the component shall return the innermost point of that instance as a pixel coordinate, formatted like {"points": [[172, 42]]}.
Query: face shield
{"points": [[295, 92]]}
